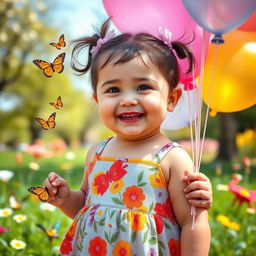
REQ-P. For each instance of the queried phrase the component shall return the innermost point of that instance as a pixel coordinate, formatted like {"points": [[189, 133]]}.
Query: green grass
{"points": [[225, 241]]}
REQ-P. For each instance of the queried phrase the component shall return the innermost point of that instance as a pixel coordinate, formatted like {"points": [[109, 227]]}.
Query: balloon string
{"points": [[198, 120], [209, 96], [191, 125]]}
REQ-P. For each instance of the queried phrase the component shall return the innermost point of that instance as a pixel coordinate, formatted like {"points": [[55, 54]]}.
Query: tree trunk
{"points": [[228, 130]]}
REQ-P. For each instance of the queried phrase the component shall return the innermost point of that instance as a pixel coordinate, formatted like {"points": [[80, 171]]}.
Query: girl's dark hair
{"points": [[125, 47]]}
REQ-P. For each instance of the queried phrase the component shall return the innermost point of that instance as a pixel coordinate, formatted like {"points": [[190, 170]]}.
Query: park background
{"points": [[28, 153]]}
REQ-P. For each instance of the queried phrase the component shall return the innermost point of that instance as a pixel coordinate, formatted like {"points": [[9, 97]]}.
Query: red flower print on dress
{"points": [[165, 209], [174, 247], [159, 224], [116, 172], [133, 197], [97, 247], [66, 245]]}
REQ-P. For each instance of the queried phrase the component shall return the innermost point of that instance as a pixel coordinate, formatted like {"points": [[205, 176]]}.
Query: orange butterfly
{"points": [[42, 193], [51, 233], [60, 44], [116, 172], [48, 68], [58, 104], [50, 123]]}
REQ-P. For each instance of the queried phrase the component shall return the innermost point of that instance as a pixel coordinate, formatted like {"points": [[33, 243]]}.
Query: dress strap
{"points": [[101, 146], [164, 150]]}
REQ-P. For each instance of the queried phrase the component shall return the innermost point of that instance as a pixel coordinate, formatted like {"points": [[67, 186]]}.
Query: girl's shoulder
{"points": [[97, 148], [176, 161]]}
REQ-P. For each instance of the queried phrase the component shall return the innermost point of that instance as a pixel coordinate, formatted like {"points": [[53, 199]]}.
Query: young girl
{"points": [[131, 200]]}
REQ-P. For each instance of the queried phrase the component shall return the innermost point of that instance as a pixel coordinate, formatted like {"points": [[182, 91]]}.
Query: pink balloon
{"points": [[250, 24], [148, 15]]}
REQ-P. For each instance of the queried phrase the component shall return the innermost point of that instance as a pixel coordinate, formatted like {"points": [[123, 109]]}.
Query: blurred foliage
{"points": [[23, 29], [34, 92]]}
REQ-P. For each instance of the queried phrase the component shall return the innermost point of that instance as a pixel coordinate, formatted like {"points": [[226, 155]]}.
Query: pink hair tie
{"points": [[101, 41], [166, 36]]}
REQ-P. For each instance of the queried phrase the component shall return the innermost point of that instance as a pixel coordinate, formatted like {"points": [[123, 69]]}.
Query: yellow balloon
{"points": [[234, 82]]}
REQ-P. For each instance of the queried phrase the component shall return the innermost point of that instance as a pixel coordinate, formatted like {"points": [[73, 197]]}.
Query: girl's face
{"points": [[133, 98]]}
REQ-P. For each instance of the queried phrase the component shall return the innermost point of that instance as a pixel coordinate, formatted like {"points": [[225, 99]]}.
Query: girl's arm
{"points": [[61, 196], [194, 242]]}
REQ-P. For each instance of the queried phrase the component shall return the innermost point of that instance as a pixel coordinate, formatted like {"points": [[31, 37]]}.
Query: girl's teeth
{"points": [[130, 116]]}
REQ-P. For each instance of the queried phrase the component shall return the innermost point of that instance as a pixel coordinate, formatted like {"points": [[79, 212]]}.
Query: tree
{"points": [[21, 23]]}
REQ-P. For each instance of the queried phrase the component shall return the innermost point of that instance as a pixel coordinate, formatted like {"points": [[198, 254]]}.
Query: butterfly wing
{"points": [[58, 63], [54, 231], [62, 42], [41, 227], [101, 183], [57, 46], [42, 193], [53, 104], [45, 66], [43, 123], [59, 102], [51, 120]]}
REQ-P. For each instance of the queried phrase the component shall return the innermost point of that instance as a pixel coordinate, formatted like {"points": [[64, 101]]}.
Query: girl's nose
{"points": [[128, 99]]}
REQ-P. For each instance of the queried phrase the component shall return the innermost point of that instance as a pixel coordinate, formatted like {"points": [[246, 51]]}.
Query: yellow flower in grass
{"points": [[116, 186], [225, 221], [123, 248], [234, 226], [19, 218], [156, 180], [17, 244], [137, 220], [222, 219], [6, 212]]}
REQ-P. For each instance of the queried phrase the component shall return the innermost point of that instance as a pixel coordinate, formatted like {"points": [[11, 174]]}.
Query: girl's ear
{"points": [[173, 98], [95, 97]]}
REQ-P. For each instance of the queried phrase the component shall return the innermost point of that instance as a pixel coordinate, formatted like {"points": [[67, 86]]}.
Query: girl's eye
{"points": [[143, 87], [113, 90]]}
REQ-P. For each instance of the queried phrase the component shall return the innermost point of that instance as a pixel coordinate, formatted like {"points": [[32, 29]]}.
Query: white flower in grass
{"points": [[18, 244], [70, 155], [47, 207], [6, 175], [34, 166], [5, 212], [19, 218]]}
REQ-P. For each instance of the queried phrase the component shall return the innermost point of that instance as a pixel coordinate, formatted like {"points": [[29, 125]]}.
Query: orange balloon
{"points": [[250, 24], [234, 82]]}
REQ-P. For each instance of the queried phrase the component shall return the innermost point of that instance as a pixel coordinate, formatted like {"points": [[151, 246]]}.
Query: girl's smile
{"points": [[130, 116]]}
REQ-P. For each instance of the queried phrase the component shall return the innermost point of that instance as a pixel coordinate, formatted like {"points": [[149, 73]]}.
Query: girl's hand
{"points": [[198, 189], [58, 189]]}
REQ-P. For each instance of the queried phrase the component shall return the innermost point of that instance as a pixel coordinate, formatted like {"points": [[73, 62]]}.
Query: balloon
{"points": [[233, 88], [185, 108], [250, 24], [219, 16], [148, 15]]}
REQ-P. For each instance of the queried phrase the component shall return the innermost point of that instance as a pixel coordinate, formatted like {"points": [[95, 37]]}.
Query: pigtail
{"points": [[183, 52], [87, 42]]}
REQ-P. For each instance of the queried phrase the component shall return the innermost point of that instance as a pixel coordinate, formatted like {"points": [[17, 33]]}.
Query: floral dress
{"points": [[127, 211]]}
